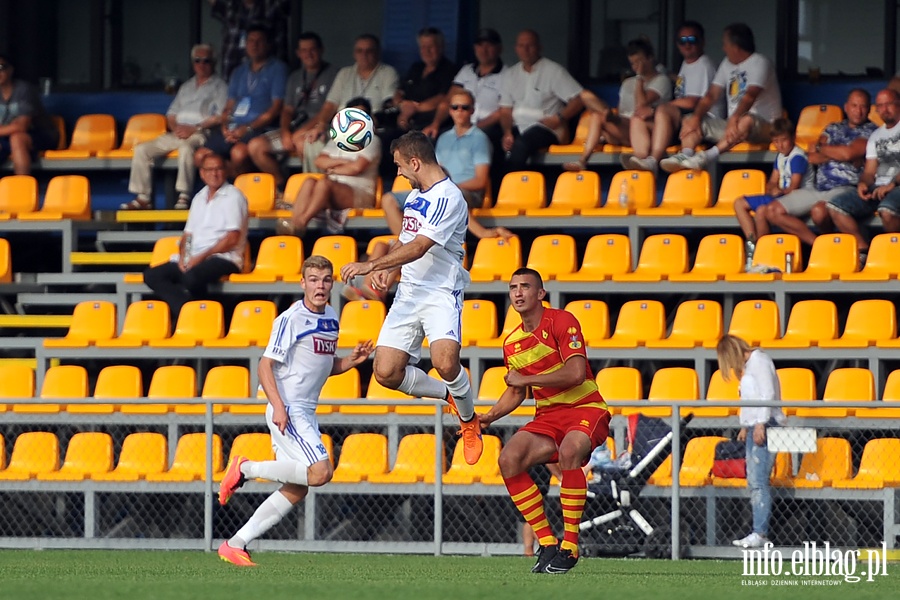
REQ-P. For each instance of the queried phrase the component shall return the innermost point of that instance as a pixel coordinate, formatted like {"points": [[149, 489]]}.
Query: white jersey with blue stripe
{"points": [[302, 344], [440, 214]]}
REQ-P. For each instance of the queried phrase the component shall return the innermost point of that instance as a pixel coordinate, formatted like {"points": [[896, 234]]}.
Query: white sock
{"points": [[272, 510], [712, 153], [283, 471], [687, 151], [416, 382], [461, 390]]}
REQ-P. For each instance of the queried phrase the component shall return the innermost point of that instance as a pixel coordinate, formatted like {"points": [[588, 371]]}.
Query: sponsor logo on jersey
{"points": [[411, 224], [323, 346]]}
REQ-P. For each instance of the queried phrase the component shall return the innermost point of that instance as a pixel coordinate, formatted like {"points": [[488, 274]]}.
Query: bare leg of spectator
{"points": [[262, 155], [779, 217]]}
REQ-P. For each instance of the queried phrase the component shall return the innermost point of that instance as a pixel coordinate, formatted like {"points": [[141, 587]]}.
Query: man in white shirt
{"points": [[753, 102], [429, 297], [196, 108], [212, 244]]}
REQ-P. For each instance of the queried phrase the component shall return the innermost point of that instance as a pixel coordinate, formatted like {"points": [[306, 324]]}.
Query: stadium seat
{"points": [[605, 255], [199, 321], [510, 322], [189, 463], [496, 259], [361, 320], [843, 385], [345, 386], [295, 182], [252, 446], [380, 239], [661, 255], [479, 321], [251, 325], [718, 256], [662, 476], [770, 252], [593, 315], [552, 255], [619, 383], [696, 468], [16, 381], [339, 249], [812, 122], [753, 320], [798, 384], [279, 255], [670, 383], [139, 128], [92, 320], [696, 321], [87, 453], [230, 381], [519, 191], [492, 386], [638, 322], [18, 194], [6, 274], [171, 382], [163, 250], [374, 393], [720, 390], [362, 455], [145, 321], [641, 194], [831, 461], [61, 381], [882, 262], [92, 134], [878, 468], [869, 322], [462, 473], [891, 393], [735, 183], [33, 452], [810, 322], [684, 191], [572, 193], [328, 443], [259, 189], [113, 382], [415, 461], [67, 197], [832, 254], [578, 139], [142, 454]]}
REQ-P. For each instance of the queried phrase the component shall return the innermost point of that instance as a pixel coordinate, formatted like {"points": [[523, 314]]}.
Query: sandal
{"points": [[183, 203], [136, 204]]}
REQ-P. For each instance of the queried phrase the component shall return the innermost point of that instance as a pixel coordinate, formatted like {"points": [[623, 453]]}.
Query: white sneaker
{"points": [[644, 164], [681, 162], [754, 540]]}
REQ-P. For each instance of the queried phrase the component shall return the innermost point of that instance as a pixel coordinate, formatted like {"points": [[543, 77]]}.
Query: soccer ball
{"points": [[352, 129]]}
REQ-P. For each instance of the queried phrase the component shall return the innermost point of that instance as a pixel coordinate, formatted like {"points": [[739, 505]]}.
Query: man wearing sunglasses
{"points": [[195, 109]]}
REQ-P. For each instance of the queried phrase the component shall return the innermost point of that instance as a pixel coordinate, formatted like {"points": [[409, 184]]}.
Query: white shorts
{"points": [[411, 320], [301, 441]]}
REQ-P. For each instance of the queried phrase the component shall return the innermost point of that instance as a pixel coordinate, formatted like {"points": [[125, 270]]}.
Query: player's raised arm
{"points": [[356, 357], [398, 257]]}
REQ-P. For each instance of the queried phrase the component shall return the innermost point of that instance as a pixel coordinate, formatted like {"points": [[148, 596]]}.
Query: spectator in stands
{"points": [[753, 101], [789, 173], [537, 99], [425, 84], [877, 189], [651, 137], [255, 98], [25, 127], [305, 94], [839, 156], [237, 17], [758, 382], [349, 182], [196, 108], [638, 97], [213, 242]]}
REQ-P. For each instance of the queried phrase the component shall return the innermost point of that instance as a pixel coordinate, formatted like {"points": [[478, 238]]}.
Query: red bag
{"points": [[730, 461]]}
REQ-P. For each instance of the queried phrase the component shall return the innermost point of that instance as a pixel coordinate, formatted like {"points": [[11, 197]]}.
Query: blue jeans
{"points": [[759, 468]]}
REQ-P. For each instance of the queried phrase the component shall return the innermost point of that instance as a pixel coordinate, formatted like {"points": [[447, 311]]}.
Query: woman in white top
{"points": [[759, 382]]}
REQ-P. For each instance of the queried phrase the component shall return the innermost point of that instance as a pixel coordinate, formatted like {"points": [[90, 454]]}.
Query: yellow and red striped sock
{"points": [[572, 494], [528, 499]]}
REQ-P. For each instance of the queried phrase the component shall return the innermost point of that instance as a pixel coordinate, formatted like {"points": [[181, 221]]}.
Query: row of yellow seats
{"points": [[67, 197], [94, 135]]}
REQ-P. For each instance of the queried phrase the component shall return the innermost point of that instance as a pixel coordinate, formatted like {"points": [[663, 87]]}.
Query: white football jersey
{"points": [[440, 214], [302, 345]]}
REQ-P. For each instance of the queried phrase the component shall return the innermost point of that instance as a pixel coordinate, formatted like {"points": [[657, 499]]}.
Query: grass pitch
{"points": [[138, 575]]}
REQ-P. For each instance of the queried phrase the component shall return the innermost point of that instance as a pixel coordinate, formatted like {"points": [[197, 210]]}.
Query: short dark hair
{"points": [[864, 93], [311, 35], [639, 46], [369, 37], [262, 28], [696, 26], [414, 144], [6, 59], [532, 273], [360, 102], [741, 36], [782, 126]]}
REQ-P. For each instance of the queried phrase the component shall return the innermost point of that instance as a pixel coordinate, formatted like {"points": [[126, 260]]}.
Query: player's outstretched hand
{"points": [[361, 352], [280, 417], [514, 379], [351, 270]]}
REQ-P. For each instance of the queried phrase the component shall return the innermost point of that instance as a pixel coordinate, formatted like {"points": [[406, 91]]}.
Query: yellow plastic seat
{"points": [[552, 255], [572, 193], [6, 273], [34, 452], [510, 322], [718, 256], [593, 315], [869, 322], [770, 252], [171, 382], [619, 383], [755, 321], [227, 382], [831, 461], [462, 473], [361, 320], [878, 467], [696, 322], [92, 134], [891, 393], [576, 146], [696, 468], [362, 455], [813, 120], [61, 381], [496, 259], [87, 453], [67, 197], [16, 381], [251, 325], [145, 321], [163, 250], [479, 321], [832, 254], [199, 321], [735, 183], [492, 386], [670, 383], [252, 446], [189, 463], [882, 262], [684, 191], [415, 461], [605, 255], [345, 386], [142, 454], [519, 191], [18, 194], [339, 249], [293, 185], [720, 390], [279, 255], [661, 255], [259, 189], [638, 322], [380, 239], [113, 382], [641, 187], [810, 322], [662, 476], [92, 320], [139, 128], [798, 384], [843, 385]]}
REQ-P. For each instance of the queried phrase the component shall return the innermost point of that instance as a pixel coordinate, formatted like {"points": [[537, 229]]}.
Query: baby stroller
{"points": [[621, 529]]}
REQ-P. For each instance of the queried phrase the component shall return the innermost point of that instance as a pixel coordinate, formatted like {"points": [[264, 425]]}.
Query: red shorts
{"points": [[594, 422]]}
